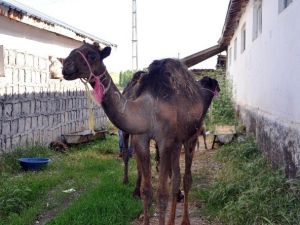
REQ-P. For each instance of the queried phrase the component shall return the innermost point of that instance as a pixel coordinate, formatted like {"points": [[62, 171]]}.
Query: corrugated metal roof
{"points": [[24, 10], [234, 12]]}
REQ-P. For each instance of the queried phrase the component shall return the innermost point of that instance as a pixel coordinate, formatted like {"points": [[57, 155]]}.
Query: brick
{"points": [[16, 110], [8, 143], [28, 76], [42, 63], [23, 140], [29, 60], [30, 140], [21, 128], [28, 124], [6, 53], [40, 121], [6, 128], [36, 62], [8, 110], [12, 57], [34, 122], [43, 107], [45, 121], [15, 142], [37, 106], [25, 108], [14, 127], [21, 75], [20, 59]]}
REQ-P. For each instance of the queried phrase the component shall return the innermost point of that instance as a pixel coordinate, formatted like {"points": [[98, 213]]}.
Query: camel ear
{"points": [[105, 52], [96, 44]]}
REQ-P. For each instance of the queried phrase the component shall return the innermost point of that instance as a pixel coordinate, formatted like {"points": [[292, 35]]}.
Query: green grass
{"points": [[93, 170], [248, 191]]}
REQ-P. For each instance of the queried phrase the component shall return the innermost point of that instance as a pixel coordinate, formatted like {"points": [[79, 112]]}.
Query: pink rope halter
{"points": [[99, 89]]}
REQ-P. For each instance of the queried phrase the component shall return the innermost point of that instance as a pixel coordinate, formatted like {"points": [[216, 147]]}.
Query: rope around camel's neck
{"points": [[97, 94]]}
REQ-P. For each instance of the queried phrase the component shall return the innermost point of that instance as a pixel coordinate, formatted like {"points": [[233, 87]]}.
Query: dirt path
{"points": [[204, 169]]}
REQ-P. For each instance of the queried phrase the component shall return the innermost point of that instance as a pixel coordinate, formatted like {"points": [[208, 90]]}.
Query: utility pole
{"points": [[134, 38]]}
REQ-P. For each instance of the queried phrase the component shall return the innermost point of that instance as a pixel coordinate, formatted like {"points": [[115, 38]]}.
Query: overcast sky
{"points": [[166, 28]]}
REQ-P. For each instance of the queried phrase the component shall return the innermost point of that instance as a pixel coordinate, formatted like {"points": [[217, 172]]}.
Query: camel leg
{"points": [[204, 139], [165, 152], [187, 179], [137, 189], [175, 183], [141, 147], [125, 156]]}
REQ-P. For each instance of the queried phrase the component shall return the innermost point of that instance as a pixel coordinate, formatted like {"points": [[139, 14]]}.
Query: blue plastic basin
{"points": [[33, 164]]}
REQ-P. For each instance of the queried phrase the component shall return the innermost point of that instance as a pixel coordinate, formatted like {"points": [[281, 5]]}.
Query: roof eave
{"points": [[18, 12], [234, 13]]}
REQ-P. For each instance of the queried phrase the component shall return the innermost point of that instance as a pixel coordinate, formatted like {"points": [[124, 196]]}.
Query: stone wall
{"points": [[35, 109], [279, 140]]}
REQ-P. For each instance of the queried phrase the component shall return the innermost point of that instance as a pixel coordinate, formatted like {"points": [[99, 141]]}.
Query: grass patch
{"points": [[91, 169], [248, 191]]}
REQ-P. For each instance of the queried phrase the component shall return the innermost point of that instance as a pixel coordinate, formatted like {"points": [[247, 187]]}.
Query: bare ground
{"points": [[203, 169]]}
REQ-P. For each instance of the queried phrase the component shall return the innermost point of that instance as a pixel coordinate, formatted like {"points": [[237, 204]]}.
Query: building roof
{"points": [[25, 14], [234, 13]]}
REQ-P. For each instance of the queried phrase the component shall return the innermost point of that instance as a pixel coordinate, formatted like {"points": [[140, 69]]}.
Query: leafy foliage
{"points": [[125, 77], [221, 110]]}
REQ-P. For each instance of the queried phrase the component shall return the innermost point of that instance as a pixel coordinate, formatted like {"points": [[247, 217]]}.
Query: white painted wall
{"points": [[266, 76], [19, 36]]}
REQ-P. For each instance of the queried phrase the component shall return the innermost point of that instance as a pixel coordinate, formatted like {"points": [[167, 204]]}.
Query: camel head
{"points": [[84, 61], [210, 84]]}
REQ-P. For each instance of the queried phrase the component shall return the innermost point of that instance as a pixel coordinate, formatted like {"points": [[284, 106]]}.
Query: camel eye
{"points": [[92, 57]]}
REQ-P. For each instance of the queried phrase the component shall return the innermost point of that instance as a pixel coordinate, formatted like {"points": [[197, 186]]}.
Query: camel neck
{"points": [[125, 114]]}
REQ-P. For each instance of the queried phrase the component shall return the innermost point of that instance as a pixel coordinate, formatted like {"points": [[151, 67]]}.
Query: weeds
{"points": [[248, 191]]}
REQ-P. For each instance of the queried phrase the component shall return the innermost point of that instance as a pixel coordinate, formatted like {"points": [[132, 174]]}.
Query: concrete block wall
{"points": [[35, 109]]}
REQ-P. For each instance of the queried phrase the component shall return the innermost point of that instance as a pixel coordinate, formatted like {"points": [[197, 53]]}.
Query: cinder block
{"points": [[8, 143], [34, 122], [21, 125], [26, 108], [15, 142], [14, 126], [12, 57], [6, 128], [21, 75], [8, 110], [23, 140], [16, 110], [28, 124], [29, 60], [20, 59]]}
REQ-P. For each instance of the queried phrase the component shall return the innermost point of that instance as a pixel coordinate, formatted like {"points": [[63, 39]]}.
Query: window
{"points": [[257, 19], [243, 38], [282, 4], [229, 56], [235, 48]]}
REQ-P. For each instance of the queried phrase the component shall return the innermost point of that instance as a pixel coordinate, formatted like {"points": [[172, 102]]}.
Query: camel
{"points": [[206, 83], [169, 109]]}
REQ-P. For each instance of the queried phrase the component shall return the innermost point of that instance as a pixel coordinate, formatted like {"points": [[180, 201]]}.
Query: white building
{"points": [[36, 108], [263, 49]]}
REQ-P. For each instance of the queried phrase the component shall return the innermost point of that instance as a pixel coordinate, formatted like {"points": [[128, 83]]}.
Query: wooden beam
{"points": [[198, 57]]}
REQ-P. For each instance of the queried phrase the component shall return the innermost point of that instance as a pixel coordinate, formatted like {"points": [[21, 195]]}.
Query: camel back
{"points": [[166, 78]]}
